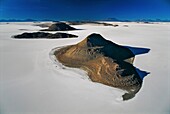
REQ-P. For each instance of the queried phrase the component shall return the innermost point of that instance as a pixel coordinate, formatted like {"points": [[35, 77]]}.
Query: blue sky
{"points": [[84, 9]]}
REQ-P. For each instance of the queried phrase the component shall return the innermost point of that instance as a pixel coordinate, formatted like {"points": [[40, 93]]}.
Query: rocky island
{"points": [[36, 35], [59, 26], [91, 22], [105, 62]]}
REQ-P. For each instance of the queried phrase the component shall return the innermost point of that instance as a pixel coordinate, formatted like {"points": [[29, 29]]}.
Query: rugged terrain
{"points": [[104, 61]]}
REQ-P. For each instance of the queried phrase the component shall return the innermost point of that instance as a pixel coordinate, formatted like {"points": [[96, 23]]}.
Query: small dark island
{"points": [[38, 35], [91, 22]]}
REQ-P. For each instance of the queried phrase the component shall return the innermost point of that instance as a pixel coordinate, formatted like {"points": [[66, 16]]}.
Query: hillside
{"points": [[104, 61]]}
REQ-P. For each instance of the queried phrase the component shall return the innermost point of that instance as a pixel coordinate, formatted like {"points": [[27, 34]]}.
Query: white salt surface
{"points": [[31, 83]]}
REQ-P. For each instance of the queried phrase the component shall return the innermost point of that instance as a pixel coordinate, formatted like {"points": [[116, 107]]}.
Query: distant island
{"points": [[38, 35], [60, 26]]}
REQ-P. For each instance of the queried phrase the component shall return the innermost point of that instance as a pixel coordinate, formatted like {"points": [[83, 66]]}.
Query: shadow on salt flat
{"points": [[139, 51]]}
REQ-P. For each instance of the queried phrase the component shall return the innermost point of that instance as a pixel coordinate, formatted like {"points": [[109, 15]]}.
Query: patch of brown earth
{"points": [[104, 61]]}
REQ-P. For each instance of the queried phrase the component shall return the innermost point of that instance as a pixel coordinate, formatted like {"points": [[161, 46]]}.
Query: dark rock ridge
{"points": [[91, 22], [60, 26], [105, 62], [44, 35]]}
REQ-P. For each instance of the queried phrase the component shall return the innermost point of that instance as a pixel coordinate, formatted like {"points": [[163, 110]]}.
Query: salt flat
{"points": [[31, 83]]}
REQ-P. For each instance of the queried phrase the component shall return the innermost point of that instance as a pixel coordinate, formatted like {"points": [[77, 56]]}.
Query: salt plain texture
{"points": [[32, 83]]}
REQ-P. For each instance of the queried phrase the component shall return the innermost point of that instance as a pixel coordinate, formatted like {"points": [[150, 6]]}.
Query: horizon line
{"points": [[107, 19]]}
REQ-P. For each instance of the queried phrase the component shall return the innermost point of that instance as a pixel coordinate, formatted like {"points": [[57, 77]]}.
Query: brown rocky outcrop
{"points": [[104, 61]]}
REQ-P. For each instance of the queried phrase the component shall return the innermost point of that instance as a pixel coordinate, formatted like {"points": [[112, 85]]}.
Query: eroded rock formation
{"points": [[104, 61]]}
